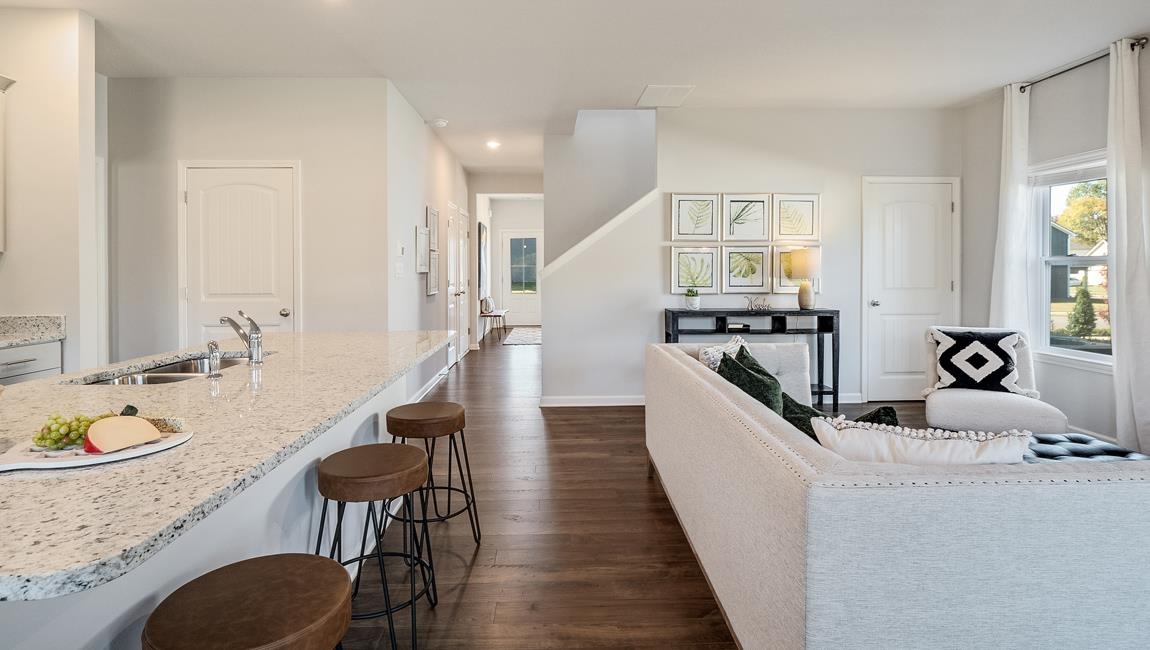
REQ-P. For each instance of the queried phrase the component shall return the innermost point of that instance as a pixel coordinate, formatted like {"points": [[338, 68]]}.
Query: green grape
{"points": [[59, 432]]}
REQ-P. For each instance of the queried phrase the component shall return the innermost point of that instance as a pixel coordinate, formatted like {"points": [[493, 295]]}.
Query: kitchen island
{"points": [[85, 554]]}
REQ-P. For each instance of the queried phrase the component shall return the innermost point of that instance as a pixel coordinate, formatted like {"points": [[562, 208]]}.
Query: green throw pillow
{"points": [[764, 388], [800, 415]]}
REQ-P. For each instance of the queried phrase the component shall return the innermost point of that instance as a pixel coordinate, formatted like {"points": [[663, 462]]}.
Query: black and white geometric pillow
{"points": [[977, 360]]}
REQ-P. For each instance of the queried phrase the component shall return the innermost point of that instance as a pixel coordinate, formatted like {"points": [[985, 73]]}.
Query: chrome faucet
{"points": [[253, 338], [214, 360]]}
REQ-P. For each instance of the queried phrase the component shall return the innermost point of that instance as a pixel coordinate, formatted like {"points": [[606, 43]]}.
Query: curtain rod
{"points": [[1138, 42]]}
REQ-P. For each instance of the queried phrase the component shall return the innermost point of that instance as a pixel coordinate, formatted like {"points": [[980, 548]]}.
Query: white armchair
{"points": [[964, 409]]}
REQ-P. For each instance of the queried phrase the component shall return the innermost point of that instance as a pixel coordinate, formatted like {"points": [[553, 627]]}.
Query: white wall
{"points": [[511, 214], [1068, 112], [337, 128], [421, 172], [51, 146], [598, 170], [625, 274]]}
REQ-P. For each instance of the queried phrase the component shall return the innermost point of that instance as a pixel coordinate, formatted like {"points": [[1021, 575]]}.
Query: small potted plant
{"points": [[692, 298]]}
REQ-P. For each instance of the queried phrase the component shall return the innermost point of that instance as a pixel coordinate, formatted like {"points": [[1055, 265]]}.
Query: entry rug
{"points": [[525, 336]]}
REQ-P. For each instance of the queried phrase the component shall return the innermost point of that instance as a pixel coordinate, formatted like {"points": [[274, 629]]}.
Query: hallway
{"points": [[580, 549]]}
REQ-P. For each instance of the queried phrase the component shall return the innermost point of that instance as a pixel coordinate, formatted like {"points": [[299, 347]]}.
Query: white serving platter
{"points": [[24, 457]]}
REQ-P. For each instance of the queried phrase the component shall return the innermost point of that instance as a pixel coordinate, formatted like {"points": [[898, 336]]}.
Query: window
{"points": [[1075, 261], [523, 272]]}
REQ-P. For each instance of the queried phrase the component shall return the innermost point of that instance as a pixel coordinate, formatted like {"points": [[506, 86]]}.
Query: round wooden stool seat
{"points": [[425, 420], [293, 600], [372, 472]]}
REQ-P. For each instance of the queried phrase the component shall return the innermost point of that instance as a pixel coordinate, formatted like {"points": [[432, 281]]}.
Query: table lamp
{"points": [[806, 265]]}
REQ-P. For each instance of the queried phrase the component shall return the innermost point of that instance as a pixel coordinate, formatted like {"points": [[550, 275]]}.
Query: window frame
{"points": [[511, 266], [1087, 167]]}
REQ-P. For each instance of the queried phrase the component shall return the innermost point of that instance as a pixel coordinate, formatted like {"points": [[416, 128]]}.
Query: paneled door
{"points": [[520, 288], [239, 250], [452, 247], [910, 279]]}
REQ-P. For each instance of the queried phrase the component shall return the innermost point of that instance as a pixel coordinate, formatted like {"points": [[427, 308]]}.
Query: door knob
{"points": [[285, 312], [875, 303]]}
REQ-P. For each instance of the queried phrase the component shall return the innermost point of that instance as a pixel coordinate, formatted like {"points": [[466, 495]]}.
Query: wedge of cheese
{"points": [[119, 432]]}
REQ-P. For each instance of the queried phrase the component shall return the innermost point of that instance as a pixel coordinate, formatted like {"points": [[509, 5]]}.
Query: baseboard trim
{"points": [[849, 398], [422, 392], [559, 401]]}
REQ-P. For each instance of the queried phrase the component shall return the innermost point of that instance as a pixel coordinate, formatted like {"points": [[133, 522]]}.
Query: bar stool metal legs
{"points": [[458, 464], [384, 478]]}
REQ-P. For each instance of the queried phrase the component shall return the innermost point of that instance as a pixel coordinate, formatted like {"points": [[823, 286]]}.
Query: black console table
{"points": [[826, 322]]}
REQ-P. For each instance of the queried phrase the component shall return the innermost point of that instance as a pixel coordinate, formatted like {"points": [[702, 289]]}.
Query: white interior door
{"points": [[520, 288], [452, 246], [462, 299], [909, 279], [240, 249]]}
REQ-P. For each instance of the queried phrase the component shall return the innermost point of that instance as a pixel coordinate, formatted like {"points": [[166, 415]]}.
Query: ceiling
{"points": [[514, 69]]}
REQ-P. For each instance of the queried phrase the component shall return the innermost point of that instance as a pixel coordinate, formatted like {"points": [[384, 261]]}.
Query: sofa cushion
{"points": [[712, 355], [763, 387], [977, 360], [980, 410], [879, 443]]}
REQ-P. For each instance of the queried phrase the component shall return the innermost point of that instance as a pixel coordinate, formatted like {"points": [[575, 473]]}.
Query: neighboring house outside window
{"points": [[1072, 208]]}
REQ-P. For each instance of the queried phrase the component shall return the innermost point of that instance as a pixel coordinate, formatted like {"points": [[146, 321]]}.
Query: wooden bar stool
{"points": [[431, 421], [381, 473], [277, 601]]}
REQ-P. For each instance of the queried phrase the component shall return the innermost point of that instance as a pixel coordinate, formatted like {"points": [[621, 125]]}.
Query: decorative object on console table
{"points": [[692, 299], [746, 217], [694, 217], [746, 269], [785, 280], [778, 322], [806, 265], [422, 249], [433, 228], [694, 268], [798, 217], [433, 274]]}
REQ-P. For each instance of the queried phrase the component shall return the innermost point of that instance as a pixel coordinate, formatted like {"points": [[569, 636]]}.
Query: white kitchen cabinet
{"points": [[28, 362]]}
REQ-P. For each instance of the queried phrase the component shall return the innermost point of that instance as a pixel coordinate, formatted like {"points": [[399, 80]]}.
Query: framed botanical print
{"points": [[746, 269], [433, 273], [784, 282], [422, 249], [694, 268], [432, 228], [695, 217], [746, 217], [797, 217]]}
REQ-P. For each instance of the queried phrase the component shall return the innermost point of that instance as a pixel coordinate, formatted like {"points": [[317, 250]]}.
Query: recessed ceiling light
{"points": [[494, 144], [439, 123]]}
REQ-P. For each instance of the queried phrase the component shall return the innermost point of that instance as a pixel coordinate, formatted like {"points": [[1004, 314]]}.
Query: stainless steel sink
{"points": [[193, 366], [143, 378]]}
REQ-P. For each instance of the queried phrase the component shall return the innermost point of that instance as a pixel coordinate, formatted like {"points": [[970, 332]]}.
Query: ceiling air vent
{"points": [[655, 96]]}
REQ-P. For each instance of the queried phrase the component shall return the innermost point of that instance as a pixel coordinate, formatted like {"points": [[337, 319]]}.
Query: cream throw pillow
{"points": [[881, 443], [712, 356]]}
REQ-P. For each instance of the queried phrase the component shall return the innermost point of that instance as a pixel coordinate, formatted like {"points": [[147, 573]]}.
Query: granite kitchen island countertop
{"points": [[64, 531]]}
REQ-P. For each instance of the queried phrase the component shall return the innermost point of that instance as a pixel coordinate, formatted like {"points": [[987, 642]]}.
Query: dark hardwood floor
{"points": [[580, 549]]}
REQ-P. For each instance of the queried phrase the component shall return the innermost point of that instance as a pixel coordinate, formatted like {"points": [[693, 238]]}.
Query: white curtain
{"points": [[1129, 249], [1010, 288]]}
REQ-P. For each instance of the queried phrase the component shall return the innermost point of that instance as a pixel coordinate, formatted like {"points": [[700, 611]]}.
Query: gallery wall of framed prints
{"points": [[740, 243]]}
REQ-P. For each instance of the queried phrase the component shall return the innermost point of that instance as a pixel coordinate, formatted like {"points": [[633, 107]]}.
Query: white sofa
{"points": [[963, 409], [805, 549]]}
